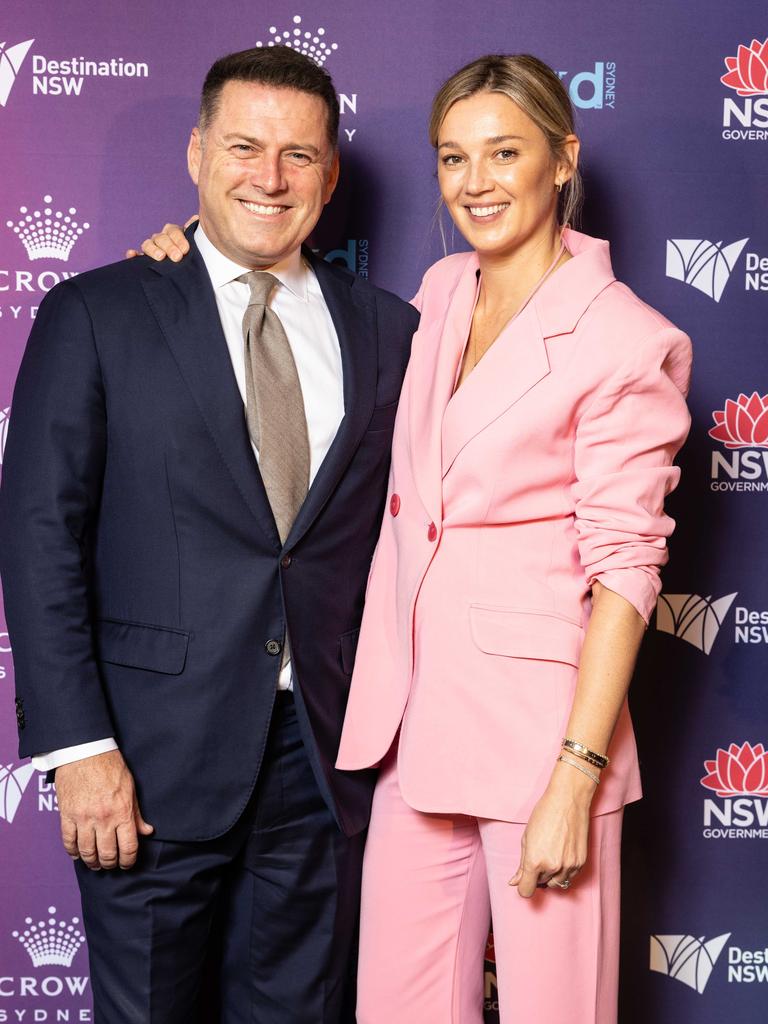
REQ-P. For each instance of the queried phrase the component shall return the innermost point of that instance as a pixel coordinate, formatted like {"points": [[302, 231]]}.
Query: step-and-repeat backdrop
{"points": [[96, 104]]}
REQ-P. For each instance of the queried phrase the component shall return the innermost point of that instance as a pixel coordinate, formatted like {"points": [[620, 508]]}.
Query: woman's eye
{"points": [[451, 160], [507, 154]]}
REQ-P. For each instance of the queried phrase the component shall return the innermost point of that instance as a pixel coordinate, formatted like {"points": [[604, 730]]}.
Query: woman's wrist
{"points": [[568, 781]]}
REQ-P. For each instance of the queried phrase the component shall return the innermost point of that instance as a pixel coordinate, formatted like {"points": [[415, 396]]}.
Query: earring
{"points": [[558, 186]]}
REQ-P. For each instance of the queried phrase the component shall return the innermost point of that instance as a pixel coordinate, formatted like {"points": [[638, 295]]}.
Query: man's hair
{"points": [[277, 66]]}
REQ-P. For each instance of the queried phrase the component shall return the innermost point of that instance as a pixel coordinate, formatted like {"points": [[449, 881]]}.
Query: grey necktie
{"points": [[275, 412]]}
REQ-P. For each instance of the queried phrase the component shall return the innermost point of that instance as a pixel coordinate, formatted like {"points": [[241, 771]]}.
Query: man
{"points": [[194, 477]]}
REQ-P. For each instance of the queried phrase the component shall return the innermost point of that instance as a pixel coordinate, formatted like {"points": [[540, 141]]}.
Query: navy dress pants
{"points": [[258, 925]]}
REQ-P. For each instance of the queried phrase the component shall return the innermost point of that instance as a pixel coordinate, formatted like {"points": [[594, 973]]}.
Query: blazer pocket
{"points": [[135, 645], [541, 636], [383, 418], [348, 648]]}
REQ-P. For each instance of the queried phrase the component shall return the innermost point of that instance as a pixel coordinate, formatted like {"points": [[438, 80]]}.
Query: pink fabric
{"points": [[429, 882], [546, 471]]}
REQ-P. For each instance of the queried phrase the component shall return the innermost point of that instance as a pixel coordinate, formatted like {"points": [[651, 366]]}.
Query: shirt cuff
{"points": [[66, 755]]}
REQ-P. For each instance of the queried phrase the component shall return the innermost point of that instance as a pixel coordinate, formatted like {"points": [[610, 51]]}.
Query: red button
{"points": [[432, 532], [394, 504]]}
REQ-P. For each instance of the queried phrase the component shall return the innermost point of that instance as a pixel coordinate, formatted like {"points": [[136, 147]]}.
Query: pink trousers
{"points": [[430, 885]]}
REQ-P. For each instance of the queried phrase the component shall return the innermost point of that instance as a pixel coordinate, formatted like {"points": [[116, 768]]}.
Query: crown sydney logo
{"points": [[47, 233], [13, 783], [311, 44], [51, 942], [702, 264], [11, 60], [685, 958]]}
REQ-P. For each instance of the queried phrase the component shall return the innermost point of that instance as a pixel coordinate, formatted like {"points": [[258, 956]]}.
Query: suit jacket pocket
{"points": [[516, 633], [136, 645], [348, 646]]}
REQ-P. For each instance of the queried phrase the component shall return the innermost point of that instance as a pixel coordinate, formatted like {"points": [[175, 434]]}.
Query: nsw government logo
{"points": [[746, 119], [741, 426], [738, 776], [685, 958]]}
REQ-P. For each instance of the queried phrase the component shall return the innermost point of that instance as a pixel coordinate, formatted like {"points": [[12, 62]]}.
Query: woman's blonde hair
{"points": [[537, 90]]}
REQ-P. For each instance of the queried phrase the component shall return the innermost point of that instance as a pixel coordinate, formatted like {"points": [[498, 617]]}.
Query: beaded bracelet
{"points": [[580, 767]]}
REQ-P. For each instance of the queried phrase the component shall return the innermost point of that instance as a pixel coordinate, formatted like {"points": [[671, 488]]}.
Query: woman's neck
{"points": [[506, 281]]}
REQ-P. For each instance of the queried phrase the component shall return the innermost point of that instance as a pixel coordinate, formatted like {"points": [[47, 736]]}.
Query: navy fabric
{"points": [[143, 574], [256, 925]]}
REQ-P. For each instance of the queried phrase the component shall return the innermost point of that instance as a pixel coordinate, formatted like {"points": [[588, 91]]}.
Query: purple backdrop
{"points": [[96, 104]]}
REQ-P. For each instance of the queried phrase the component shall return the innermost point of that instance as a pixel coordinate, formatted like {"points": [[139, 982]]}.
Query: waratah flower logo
{"points": [[738, 771], [743, 423], [748, 70]]}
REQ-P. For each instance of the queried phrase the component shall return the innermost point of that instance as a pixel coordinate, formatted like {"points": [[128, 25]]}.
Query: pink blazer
{"points": [[545, 471]]}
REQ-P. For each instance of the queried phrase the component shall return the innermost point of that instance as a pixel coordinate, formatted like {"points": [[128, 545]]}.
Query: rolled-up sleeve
{"points": [[626, 442]]}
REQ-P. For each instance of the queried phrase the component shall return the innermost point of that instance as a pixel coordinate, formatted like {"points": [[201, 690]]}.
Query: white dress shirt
{"points": [[300, 306]]}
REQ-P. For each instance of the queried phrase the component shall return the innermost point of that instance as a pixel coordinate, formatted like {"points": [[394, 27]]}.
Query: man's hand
{"points": [[100, 816]]}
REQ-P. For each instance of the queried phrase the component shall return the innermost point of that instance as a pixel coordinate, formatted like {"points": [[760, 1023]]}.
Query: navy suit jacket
{"points": [[142, 569]]}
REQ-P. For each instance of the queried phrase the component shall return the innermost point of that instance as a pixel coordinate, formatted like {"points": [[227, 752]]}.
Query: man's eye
{"points": [[242, 148], [299, 158]]}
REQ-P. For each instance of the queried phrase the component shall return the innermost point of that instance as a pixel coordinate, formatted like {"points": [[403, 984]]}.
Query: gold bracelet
{"points": [[585, 757], [599, 760], [579, 767]]}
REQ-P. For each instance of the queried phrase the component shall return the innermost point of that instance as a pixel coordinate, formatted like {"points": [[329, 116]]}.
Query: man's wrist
{"points": [[67, 755]]}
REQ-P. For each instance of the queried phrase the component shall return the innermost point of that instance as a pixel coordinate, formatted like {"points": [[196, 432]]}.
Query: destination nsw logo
{"points": [[741, 427], [692, 961], [746, 119], [738, 777]]}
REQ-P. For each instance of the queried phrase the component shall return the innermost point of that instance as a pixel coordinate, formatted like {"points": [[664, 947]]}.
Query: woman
{"points": [[516, 571], [517, 568]]}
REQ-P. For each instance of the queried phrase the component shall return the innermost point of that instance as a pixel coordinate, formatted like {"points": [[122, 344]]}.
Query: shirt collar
{"points": [[290, 271]]}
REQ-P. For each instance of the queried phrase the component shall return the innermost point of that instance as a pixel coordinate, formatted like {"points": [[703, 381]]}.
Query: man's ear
{"points": [[195, 154], [333, 177]]}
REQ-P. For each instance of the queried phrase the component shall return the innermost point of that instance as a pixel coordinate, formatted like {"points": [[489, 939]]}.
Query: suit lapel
{"points": [[518, 360], [515, 363], [182, 300], [354, 316], [437, 350]]}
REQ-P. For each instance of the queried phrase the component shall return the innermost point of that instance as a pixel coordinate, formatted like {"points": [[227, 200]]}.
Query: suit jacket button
{"points": [[432, 532], [394, 504], [285, 561], [273, 647]]}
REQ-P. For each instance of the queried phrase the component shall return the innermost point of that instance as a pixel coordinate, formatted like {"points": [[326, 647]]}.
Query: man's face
{"points": [[264, 169]]}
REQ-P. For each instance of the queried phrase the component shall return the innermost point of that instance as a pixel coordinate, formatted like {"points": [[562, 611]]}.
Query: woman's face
{"points": [[497, 174]]}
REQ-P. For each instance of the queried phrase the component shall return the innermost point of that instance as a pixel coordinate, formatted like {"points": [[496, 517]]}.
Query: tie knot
{"points": [[261, 284]]}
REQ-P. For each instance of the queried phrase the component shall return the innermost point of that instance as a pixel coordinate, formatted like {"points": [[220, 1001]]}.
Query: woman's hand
{"points": [[169, 242], [554, 844]]}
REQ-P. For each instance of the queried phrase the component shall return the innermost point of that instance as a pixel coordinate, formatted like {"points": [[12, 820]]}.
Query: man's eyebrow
{"points": [[252, 140], [494, 140]]}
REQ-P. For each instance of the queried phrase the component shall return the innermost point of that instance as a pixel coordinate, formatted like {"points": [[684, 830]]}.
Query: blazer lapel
{"points": [[436, 353], [515, 362], [182, 300], [354, 316], [518, 359]]}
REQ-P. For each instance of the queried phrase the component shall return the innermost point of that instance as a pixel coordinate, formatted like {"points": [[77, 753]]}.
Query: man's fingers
{"points": [[143, 827], [106, 848], [128, 845], [87, 849], [69, 838]]}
